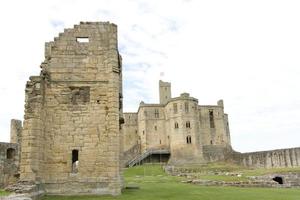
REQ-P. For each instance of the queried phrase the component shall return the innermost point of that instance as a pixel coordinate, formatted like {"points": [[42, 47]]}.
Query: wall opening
{"points": [[82, 40], [75, 161], [189, 139], [10, 153], [211, 119], [188, 124], [156, 113], [278, 179], [186, 107], [176, 125]]}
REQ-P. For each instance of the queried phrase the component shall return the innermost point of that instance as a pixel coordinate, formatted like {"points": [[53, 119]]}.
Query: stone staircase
{"points": [[144, 155]]}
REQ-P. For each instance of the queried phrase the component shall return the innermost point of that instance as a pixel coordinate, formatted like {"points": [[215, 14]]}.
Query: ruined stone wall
{"points": [[15, 131], [269, 159], [9, 164], [71, 138]]}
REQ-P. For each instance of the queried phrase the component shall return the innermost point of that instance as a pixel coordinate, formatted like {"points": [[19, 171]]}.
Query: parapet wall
{"points": [[269, 159]]}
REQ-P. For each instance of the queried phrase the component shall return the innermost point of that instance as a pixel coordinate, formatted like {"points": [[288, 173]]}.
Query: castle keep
{"points": [[179, 131], [190, 132]]}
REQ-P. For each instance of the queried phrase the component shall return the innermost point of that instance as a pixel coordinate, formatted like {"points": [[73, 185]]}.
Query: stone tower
{"points": [[71, 139], [164, 92]]}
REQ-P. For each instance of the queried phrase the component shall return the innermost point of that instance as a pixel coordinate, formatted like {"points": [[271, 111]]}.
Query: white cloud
{"points": [[246, 52]]}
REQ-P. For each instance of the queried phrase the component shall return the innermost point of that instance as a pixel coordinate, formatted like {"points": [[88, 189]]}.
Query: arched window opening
{"points": [[176, 125], [188, 124], [189, 139], [75, 161], [10, 153]]}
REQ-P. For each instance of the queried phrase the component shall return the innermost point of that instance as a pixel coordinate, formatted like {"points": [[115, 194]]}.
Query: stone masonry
{"points": [[71, 141], [10, 155], [9, 164], [192, 133]]}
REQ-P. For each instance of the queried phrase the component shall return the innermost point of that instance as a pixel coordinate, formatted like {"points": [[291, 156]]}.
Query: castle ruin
{"points": [[73, 140]]}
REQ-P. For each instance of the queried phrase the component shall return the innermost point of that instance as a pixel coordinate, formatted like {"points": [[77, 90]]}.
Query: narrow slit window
{"points": [[156, 113], [186, 107], [82, 40], [75, 161], [211, 119]]}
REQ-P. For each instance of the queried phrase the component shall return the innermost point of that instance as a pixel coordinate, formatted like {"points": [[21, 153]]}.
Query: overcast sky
{"points": [[245, 52]]}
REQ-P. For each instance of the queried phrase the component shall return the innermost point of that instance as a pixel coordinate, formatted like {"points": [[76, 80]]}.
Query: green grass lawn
{"points": [[156, 185]]}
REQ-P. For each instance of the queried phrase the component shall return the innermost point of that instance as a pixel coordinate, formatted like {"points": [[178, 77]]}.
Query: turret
{"points": [[164, 92]]}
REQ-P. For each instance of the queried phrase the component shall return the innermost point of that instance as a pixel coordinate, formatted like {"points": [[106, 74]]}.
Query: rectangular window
{"points": [[156, 113], [175, 108], [75, 161], [211, 119], [82, 39], [186, 107]]}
